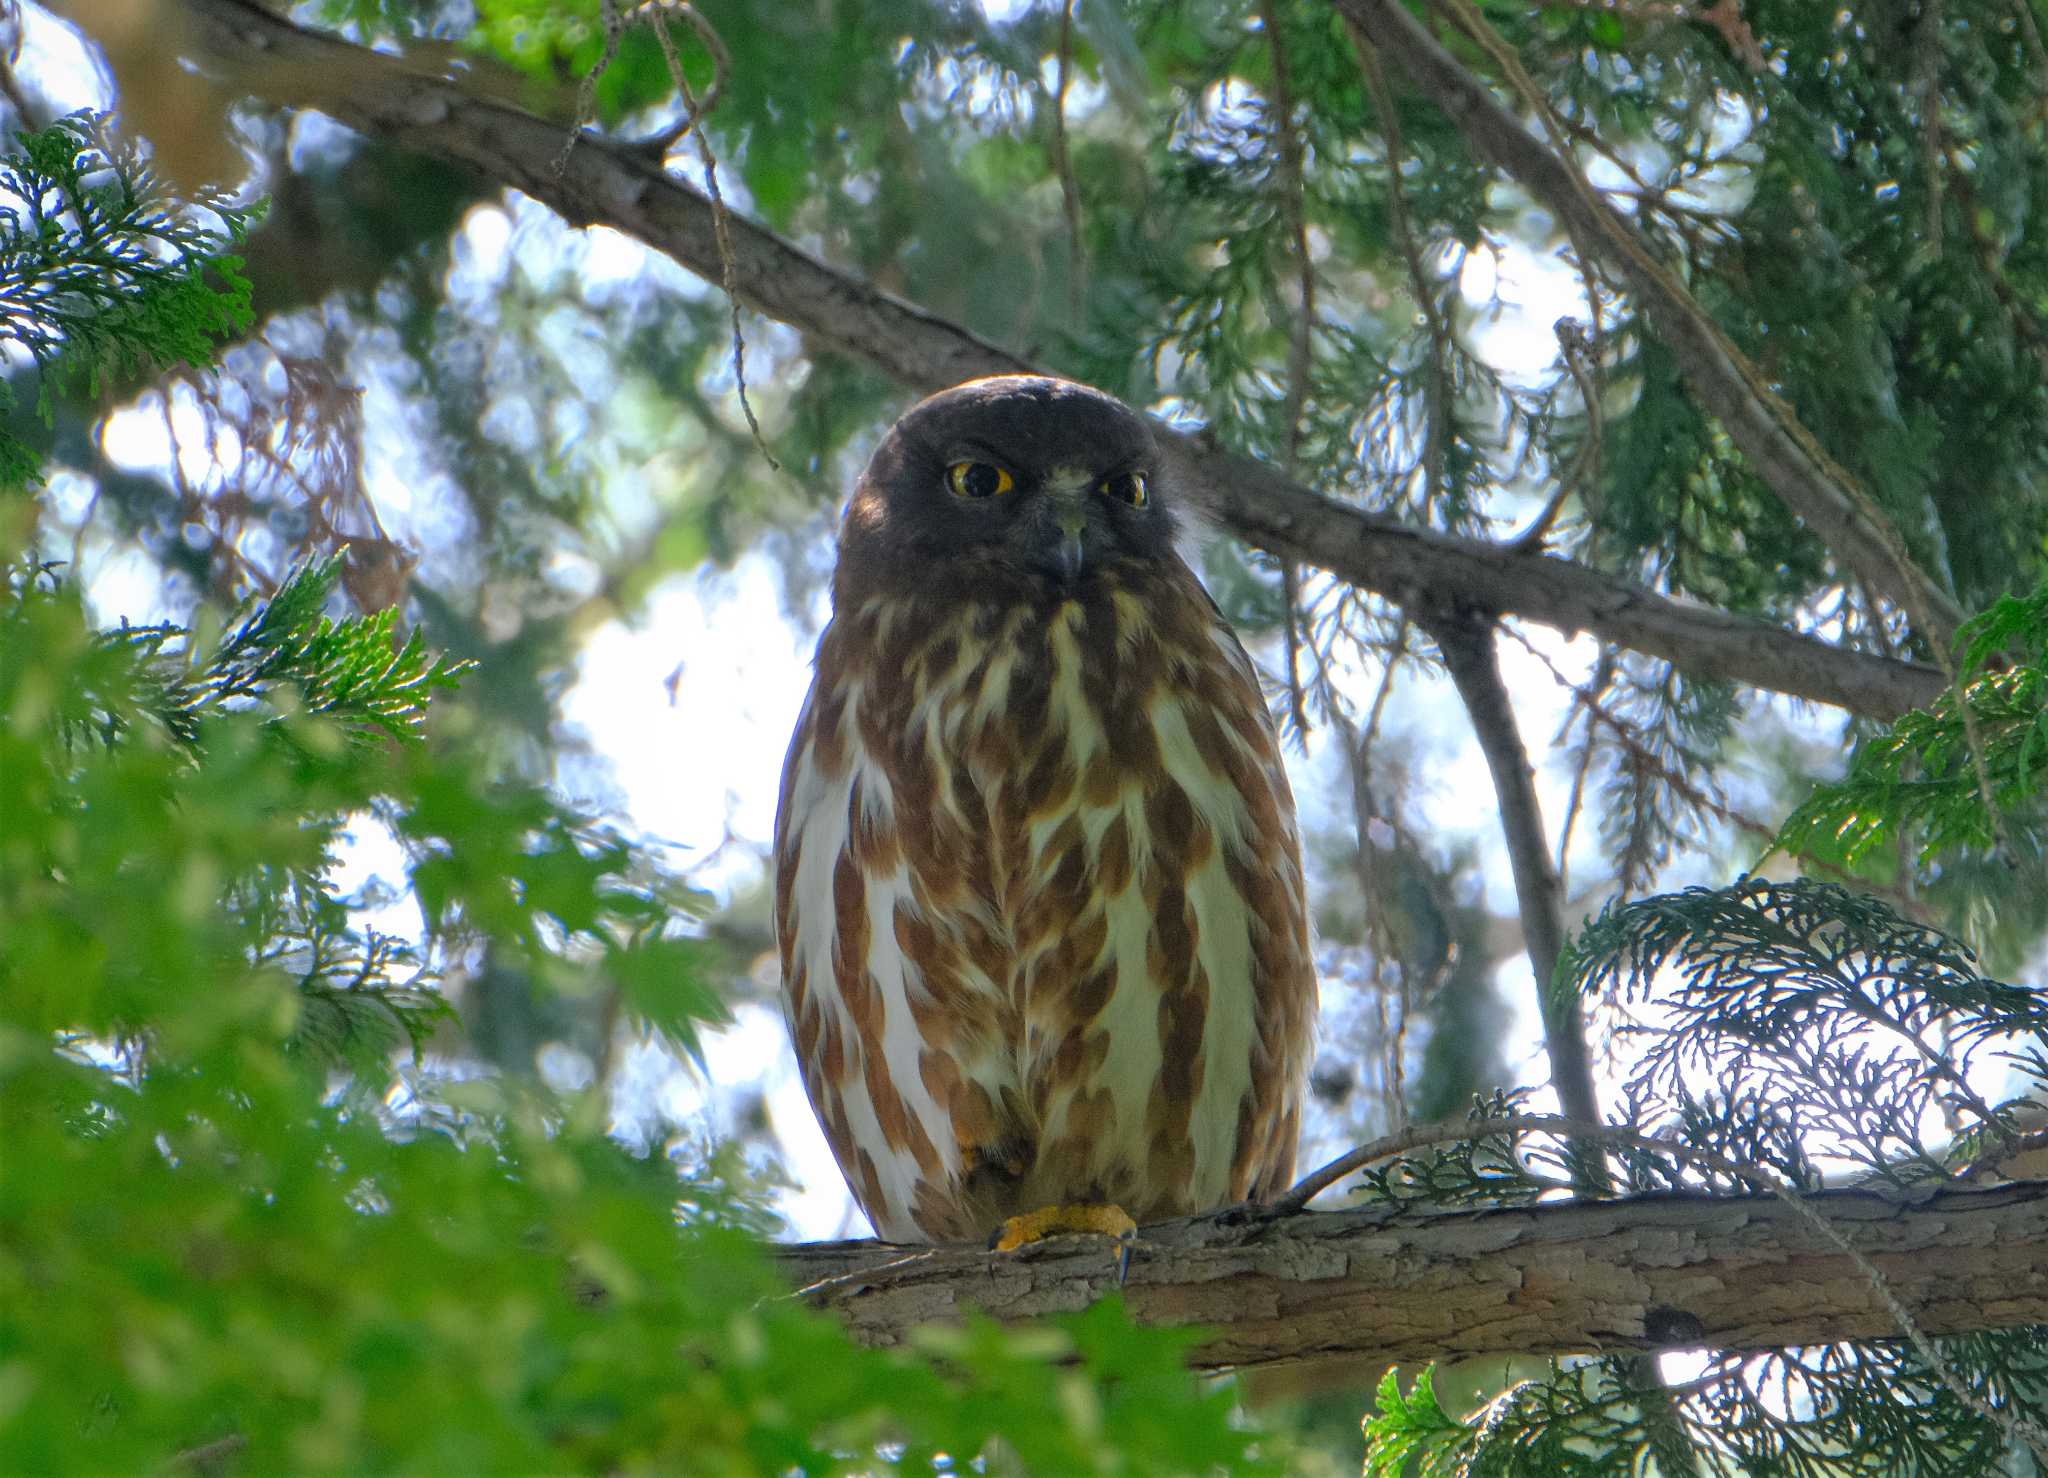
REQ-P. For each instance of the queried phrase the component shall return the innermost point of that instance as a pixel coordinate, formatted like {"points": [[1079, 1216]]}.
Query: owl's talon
{"points": [[1055, 1221]]}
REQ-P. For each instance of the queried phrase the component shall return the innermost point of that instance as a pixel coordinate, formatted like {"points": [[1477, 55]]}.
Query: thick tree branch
{"points": [[1383, 1285], [605, 183], [1781, 450]]}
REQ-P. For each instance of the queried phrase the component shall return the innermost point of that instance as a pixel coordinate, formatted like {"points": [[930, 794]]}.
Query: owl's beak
{"points": [[1065, 551], [1067, 555]]}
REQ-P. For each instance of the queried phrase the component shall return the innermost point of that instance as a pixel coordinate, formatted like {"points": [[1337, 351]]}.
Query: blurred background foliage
{"points": [[376, 389]]}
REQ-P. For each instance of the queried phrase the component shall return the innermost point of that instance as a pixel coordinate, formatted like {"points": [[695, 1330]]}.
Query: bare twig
{"points": [[1468, 648], [721, 219], [208, 1455], [656, 14], [663, 143], [1575, 348], [1603, 671]]}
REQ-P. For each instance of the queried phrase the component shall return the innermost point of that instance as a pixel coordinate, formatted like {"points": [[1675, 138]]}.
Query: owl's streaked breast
{"points": [[1039, 904]]}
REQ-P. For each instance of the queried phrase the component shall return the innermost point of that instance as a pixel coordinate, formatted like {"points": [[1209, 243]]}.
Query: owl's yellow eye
{"points": [[978, 480], [1127, 487]]}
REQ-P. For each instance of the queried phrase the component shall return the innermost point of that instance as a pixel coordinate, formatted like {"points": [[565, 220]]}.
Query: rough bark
{"points": [[250, 51], [1651, 1273]]}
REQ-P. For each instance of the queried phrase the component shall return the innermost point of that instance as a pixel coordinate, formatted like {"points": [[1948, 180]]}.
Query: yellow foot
{"points": [[1053, 1221]]}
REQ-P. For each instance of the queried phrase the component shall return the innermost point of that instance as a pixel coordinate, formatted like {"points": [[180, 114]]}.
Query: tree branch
{"points": [[611, 184], [1388, 1285], [1782, 451], [1468, 647]]}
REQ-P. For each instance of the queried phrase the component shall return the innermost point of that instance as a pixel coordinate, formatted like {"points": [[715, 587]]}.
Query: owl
{"points": [[1038, 888]]}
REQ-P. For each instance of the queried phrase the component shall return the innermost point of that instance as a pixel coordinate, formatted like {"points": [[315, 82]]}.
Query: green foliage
{"points": [[101, 272], [1827, 1026], [250, 1194], [1917, 786], [1574, 1424], [1862, 1411], [357, 675], [1784, 1028]]}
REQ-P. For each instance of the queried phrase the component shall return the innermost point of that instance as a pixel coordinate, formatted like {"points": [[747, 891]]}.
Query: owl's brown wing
{"points": [[1040, 906]]}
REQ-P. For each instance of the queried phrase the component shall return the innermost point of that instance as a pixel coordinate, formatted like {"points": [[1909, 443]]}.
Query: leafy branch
{"points": [[1918, 780], [102, 271], [282, 656]]}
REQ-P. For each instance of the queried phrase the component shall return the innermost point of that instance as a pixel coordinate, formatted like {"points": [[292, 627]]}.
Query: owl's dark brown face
{"points": [[1022, 478]]}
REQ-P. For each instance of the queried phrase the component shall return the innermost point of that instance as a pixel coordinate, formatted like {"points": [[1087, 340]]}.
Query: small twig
{"points": [[1632, 741], [1290, 594], [859, 1275], [1365, 856], [721, 68], [1358, 746], [1584, 473], [721, 222], [615, 26], [1603, 672], [657, 14]]}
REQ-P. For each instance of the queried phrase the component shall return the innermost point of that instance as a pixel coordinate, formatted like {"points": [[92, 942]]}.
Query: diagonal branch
{"points": [[604, 183], [1782, 451]]}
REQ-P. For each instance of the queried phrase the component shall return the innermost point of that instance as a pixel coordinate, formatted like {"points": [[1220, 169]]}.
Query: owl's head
{"points": [[1020, 477]]}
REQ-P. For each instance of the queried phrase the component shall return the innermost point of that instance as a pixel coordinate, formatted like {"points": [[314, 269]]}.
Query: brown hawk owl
{"points": [[1038, 893]]}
